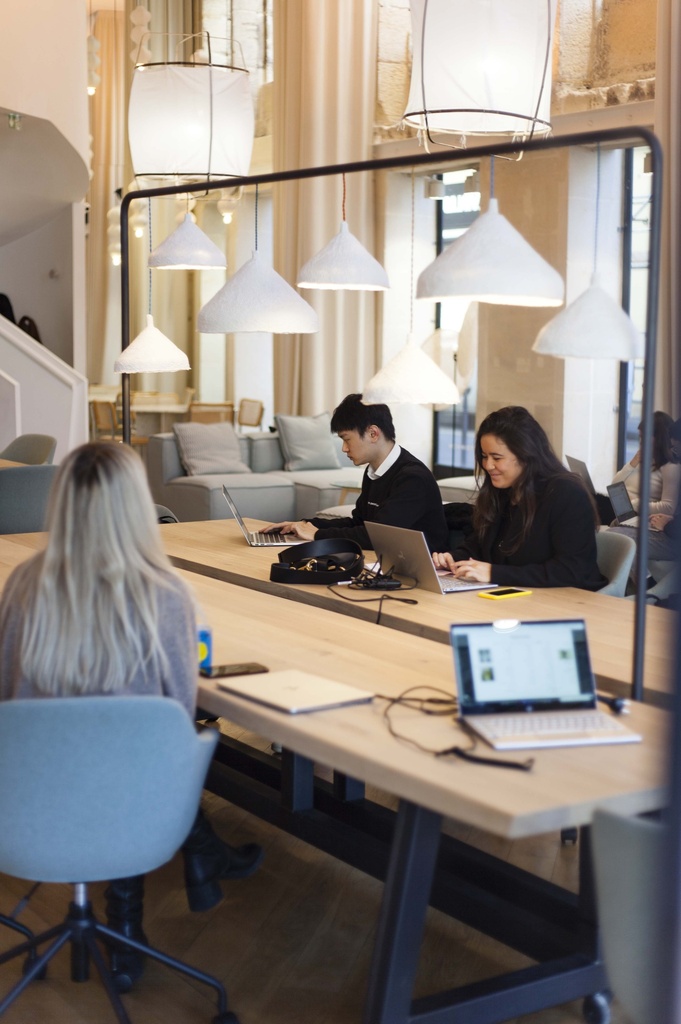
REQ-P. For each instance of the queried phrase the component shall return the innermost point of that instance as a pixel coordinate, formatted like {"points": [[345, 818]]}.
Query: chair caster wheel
{"points": [[28, 963], [226, 1018], [596, 1009]]}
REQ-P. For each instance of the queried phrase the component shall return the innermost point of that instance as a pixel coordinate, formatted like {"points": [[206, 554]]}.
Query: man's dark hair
{"points": [[352, 414]]}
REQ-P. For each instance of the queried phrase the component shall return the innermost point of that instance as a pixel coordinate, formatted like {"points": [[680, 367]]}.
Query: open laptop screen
{"points": [[522, 666]]}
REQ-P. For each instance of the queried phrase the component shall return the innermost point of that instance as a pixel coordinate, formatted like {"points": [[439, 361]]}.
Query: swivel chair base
{"points": [[81, 929]]}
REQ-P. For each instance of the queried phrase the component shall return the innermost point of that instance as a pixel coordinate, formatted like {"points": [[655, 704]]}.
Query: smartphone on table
{"points": [[244, 668], [502, 592]]}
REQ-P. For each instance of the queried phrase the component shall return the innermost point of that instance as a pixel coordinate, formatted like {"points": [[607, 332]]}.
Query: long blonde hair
{"points": [[88, 603]]}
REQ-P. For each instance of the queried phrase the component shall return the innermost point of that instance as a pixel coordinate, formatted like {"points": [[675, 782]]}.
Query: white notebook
{"points": [[294, 692]]}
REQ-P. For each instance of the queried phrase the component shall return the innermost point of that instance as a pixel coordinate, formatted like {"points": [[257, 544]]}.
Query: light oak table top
{"points": [[218, 549], [563, 789], [8, 464]]}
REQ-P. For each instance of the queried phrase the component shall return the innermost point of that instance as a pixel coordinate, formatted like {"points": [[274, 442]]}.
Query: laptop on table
{"points": [[523, 685], [406, 553], [295, 692], [254, 537]]}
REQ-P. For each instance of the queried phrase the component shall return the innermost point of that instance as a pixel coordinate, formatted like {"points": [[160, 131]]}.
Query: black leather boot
{"points": [[124, 909], [208, 860]]}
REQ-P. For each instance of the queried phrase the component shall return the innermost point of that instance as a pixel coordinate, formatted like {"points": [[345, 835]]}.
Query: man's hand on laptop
{"points": [[301, 529], [466, 569]]}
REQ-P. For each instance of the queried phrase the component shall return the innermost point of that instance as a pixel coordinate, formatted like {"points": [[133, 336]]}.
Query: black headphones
{"points": [[318, 561]]}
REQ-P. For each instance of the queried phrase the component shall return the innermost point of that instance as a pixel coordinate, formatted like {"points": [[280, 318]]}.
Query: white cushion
{"points": [[209, 448], [306, 442]]}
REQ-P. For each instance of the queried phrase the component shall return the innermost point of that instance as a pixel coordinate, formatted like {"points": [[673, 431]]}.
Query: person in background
{"points": [[397, 489], [665, 476], [534, 524], [102, 611]]}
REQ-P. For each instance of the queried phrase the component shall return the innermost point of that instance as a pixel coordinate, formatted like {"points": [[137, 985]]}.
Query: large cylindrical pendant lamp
{"points": [[190, 121], [481, 68]]}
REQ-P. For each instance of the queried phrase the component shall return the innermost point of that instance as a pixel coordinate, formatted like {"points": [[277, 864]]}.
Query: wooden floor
{"points": [[292, 944]]}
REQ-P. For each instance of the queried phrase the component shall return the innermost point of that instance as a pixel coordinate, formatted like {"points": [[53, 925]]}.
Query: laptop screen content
{"points": [[522, 666]]}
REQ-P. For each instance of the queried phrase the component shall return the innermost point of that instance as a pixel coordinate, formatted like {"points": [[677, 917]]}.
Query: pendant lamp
{"points": [[411, 376], [594, 326], [257, 298], [189, 121], [343, 264], [187, 248], [151, 352], [491, 262], [481, 68]]}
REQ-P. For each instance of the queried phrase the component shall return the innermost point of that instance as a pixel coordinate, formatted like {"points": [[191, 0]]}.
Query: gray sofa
{"points": [[268, 492]]}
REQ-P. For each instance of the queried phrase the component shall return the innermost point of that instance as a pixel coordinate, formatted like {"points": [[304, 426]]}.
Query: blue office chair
{"points": [[630, 884], [24, 494], [95, 788]]}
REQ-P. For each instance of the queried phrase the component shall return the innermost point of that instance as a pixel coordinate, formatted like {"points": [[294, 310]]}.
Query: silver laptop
{"points": [[254, 537], [529, 684], [580, 468], [621, 502], [405, 553], [294, 692]]}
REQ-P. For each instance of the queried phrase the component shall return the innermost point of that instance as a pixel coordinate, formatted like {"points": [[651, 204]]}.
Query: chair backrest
{"points": [[211, 412], [164, 514], [630, 888], [32, 449], [250, 412], [24, 491], [104, 420], [615, 554], [95, 788]]}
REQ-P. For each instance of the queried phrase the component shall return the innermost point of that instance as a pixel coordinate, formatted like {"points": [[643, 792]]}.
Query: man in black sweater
{"points": [[397, 488]]}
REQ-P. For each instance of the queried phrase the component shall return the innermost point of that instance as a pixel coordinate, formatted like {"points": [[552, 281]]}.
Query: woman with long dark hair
{"points": [[665, 475], [534, 523]]}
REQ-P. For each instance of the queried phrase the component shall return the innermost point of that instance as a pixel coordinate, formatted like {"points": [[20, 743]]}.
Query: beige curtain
{"points": [[668, 128], [323, 114], [107, 119]]}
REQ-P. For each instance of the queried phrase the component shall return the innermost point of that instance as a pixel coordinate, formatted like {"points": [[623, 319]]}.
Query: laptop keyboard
{"points": [[272, 538], [451, 583], [539, 724]]}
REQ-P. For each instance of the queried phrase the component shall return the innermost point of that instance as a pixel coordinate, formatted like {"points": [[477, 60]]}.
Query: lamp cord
{"points": [[256, 217], [491, 177], [344, 194], [598, 203], [150, 249], [411, 269]]}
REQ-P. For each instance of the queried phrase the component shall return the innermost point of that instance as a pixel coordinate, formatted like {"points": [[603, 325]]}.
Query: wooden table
{"points": [[217, 549], [419, 865], [7, 464], [564, 787]]}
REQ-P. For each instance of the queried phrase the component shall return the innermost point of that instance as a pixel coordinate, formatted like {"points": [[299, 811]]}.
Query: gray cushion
{"points": [[209, 448], [306, 442]]}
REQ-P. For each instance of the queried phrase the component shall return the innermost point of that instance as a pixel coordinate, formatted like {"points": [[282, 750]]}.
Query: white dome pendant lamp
{"points": [[151, 352], [257, 298], [594, 326], [491, 262], [343, 264], [411, 376], [187, 248]]}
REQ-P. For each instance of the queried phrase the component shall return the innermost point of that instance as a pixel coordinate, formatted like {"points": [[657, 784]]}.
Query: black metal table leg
{"points": [[400, 927], [297, 781]]}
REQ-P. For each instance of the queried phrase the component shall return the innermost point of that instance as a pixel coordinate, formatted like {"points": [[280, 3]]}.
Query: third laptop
{"points": [[405, 553], [529, 684], [253, 537]]}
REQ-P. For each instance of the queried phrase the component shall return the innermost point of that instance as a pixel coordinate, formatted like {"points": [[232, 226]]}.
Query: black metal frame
{"points": [[609, 136], [421, 866]]}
